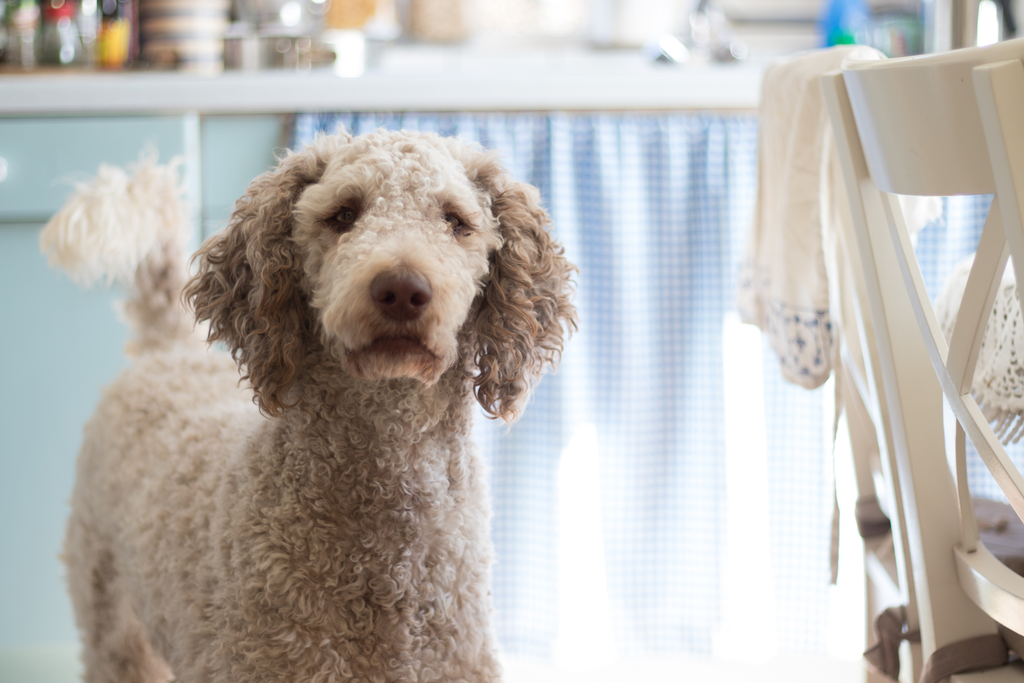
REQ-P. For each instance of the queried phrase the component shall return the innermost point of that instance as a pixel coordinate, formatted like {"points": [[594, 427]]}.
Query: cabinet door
{"points": [[58, 347], [45, 156], [236, 149]]}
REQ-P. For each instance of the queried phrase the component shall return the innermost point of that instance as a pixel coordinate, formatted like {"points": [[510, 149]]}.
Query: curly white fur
{"points": [[109, 225], [337, 530]]}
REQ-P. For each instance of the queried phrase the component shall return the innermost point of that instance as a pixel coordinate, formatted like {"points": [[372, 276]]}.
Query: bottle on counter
{"points": [[844, 22], [3, 28], [88, 26], [116, 39], [22, 27], [60, 43]]}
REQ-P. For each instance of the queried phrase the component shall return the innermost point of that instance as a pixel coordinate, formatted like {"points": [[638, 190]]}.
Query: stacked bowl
{"points": [[184, 34]]}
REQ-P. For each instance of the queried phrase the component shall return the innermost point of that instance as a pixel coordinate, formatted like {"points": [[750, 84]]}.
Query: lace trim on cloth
{"points": [[998, 383], [803, 338]]}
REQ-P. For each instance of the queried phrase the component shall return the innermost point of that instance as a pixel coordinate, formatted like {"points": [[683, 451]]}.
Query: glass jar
{"points": [[22, 26], [60, 43]]}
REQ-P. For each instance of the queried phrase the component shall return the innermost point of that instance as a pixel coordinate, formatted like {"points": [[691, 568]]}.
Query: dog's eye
{"points": [[455, 224], [345, 217]]}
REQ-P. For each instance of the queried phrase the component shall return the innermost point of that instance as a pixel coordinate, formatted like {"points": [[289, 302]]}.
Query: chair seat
{"points": [[1001, 531]]}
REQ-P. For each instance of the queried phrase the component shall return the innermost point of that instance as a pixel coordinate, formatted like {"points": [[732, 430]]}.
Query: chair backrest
{"points": [[938, 125]]}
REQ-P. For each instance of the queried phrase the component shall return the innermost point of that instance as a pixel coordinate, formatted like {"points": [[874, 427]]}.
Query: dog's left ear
{"points": [[526, 308]]}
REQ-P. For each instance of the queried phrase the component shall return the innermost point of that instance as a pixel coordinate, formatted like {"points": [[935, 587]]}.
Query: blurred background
{"points": [[664, 509], [353, 35]]}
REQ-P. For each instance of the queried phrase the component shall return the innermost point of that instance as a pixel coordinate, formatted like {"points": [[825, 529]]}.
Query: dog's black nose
{"points": [[401, 296]]}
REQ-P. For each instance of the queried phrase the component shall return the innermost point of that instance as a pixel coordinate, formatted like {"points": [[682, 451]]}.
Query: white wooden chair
{"points": [[939, 125], [888, 567]]}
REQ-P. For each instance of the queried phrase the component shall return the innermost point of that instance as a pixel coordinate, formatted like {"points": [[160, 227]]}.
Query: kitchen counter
{"points": [[703, 87], [405, 78]]}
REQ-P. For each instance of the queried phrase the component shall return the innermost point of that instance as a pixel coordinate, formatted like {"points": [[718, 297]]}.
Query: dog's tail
{"points": [[132, 230]]}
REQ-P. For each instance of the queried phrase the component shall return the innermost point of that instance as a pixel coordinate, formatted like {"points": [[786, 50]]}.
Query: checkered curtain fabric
{"points": [[654, 208]]}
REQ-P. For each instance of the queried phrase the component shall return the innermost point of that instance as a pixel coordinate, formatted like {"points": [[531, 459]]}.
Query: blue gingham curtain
{"points": [[654, 208]]}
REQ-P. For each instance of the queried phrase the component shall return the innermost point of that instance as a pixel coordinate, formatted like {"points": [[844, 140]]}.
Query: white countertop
{"points": [[410, 78]]}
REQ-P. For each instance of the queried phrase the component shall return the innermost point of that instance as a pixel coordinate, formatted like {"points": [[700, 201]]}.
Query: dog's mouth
{"points": [[396, 346], [396, 356]]}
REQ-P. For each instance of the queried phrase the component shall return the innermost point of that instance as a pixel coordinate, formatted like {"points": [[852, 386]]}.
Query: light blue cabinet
{"points": [[46, 155], [60, 345], [235, 150]]}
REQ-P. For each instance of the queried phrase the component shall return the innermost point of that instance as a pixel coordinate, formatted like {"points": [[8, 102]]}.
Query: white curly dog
{"points": [[337, 530]]}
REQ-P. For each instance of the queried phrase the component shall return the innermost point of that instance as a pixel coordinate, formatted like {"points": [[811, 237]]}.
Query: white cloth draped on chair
{"points": [[784, 279]]}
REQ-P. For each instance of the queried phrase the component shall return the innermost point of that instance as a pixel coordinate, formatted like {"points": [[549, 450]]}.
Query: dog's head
{"points": [[401, 255]]}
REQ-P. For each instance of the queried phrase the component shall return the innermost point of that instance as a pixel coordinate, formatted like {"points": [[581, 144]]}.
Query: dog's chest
{"points": [[371, 544]]}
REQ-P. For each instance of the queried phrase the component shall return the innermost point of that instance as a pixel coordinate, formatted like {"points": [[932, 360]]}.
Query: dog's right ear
{"points": [[247, 283]]}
